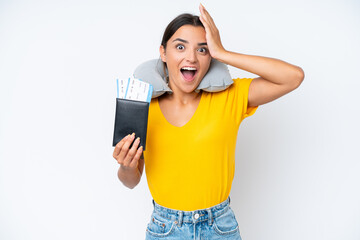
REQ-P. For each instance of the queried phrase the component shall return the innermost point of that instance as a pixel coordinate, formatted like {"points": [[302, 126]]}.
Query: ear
{"points": [[162, 53]]}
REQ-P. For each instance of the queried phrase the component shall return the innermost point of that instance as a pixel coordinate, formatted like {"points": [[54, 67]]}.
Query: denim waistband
{"points": [[179, 216]]}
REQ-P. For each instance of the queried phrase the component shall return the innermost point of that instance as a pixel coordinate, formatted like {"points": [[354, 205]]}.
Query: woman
{"points": [[190, 155]]}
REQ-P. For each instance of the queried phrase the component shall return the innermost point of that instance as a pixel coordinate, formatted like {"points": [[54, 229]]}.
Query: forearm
{"points": [[273, 70], [129, 177]]}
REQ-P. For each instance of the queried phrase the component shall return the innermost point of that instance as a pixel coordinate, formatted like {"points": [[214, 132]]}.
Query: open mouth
{"points": [[188, 73]]}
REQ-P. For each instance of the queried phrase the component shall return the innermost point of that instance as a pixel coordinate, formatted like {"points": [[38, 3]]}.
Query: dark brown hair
{"points": [[179, 21]]}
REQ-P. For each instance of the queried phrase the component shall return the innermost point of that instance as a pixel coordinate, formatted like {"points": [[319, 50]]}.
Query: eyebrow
{"points": [[184, 41]]}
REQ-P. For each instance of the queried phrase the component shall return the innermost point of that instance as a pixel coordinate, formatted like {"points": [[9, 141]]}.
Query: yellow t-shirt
{"points": [[192, 167]]}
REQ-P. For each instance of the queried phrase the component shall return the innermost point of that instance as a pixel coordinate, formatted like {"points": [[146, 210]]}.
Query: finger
{"points": [[210, 31], [119, 145], [205, 14], [202, 13], [136, 158], [205, 23], [131, 153], [201, 8], [210, 22], [126, 146]]}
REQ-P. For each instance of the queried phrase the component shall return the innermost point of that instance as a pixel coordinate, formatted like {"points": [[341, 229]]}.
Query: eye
{"points": [[180, 47], [202, 50]]}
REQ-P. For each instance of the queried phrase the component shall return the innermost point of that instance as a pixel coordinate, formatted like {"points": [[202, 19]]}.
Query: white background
{"points": [[297, 159]]}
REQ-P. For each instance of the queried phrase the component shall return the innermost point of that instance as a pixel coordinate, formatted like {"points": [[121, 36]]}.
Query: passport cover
{"points": [[130, 116]]}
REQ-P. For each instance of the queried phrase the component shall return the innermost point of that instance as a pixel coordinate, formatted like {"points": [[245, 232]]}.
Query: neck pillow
{"points": [[216, 79]]}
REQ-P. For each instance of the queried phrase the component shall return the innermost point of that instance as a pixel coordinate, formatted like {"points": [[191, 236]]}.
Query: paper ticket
{"points": [[135, 89]]}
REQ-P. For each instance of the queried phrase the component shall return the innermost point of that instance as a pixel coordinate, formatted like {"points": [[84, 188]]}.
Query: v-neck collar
{"points": [[188, 122]]}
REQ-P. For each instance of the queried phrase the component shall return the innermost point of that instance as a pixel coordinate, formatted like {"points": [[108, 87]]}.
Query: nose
{"points": [[191, 56]]}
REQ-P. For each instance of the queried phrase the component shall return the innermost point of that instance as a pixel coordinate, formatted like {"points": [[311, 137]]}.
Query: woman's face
{"points": [[187, 58]]}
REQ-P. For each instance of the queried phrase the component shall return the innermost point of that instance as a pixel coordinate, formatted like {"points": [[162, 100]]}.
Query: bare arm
{"points": [[131, 161], [276, 77], [131, 177]]}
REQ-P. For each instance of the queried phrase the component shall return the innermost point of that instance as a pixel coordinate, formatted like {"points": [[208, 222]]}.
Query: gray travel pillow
{"points": [[216, 79]]}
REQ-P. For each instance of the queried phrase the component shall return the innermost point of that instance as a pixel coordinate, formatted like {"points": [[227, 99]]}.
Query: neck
{"points": [[181, 97]]}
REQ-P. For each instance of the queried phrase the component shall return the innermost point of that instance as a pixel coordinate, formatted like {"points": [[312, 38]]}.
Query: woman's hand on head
{"points": [[212, 33], [127, 157]]}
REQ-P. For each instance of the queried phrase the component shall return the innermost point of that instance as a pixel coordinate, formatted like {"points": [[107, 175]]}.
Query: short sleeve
{"points": [[241, 93]]}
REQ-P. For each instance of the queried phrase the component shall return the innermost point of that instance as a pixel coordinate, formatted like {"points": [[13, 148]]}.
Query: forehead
{"points": [[190, 33]]}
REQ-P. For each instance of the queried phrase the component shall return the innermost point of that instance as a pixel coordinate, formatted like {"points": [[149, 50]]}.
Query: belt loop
{"points": [[153, 202], [210, 216], [180, 219], [229, 200]]}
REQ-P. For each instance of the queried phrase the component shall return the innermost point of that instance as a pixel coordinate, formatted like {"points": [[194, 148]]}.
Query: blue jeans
{"points": [[217, 222]]}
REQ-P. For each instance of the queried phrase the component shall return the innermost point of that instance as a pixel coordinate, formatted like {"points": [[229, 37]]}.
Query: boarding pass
{"points": [[134, 89]]}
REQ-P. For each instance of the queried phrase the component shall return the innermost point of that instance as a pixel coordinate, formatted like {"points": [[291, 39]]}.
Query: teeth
{"points": [[189, 68]]}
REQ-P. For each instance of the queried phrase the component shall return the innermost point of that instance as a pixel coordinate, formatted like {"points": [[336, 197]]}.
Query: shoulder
{"points": [[238, 90], [242, 82], [239, 86]]}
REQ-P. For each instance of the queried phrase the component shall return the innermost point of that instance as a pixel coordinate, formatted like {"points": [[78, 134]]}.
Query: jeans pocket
{"points": [[160, 226], [226, 223]]}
